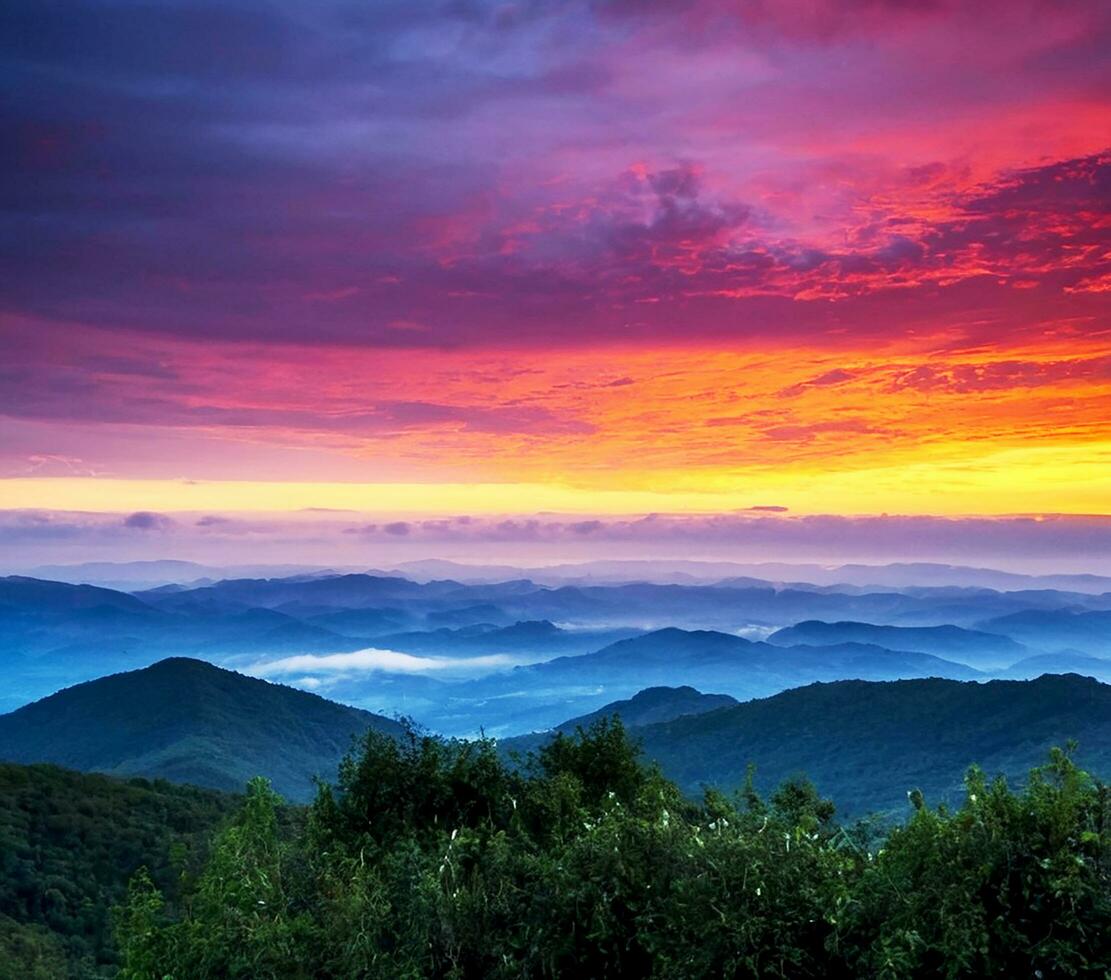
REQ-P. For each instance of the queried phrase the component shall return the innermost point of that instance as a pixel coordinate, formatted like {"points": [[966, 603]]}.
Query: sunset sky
{"points": [[468, 260]]}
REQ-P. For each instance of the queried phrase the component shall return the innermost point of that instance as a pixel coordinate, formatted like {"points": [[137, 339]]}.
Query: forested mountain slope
{"points": [[190, 722]]}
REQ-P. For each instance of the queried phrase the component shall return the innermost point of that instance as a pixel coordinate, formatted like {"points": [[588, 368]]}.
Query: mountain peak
{"points": [[190, 721]]}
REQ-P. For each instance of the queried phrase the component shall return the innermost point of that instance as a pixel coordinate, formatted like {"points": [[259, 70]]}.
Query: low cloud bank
{"points": [[371, 660]]}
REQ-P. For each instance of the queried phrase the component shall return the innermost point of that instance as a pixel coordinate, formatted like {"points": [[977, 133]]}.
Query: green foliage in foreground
{"points": [[433, 859], [68, 844]]}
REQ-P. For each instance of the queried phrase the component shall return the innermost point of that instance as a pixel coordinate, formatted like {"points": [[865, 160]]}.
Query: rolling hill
{"points": [[866, 744], [190, 722]]}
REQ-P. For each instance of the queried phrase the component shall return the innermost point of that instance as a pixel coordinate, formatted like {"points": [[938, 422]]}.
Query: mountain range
{"points": [[897, 575], [679, 572], [513, 655], [864, 743]]}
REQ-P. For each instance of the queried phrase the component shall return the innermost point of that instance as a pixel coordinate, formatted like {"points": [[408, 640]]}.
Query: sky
{"points": [[459, 264]]}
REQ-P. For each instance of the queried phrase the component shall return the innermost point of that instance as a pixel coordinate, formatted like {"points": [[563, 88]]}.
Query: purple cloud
{"points": [[145, 520]]}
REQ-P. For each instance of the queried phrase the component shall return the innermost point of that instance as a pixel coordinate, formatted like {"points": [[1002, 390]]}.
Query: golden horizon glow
{"points": [[913, 428], [1057, 480]]}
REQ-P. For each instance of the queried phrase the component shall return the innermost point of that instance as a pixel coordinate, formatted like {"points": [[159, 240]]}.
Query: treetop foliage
{"points": [[435, 858]]}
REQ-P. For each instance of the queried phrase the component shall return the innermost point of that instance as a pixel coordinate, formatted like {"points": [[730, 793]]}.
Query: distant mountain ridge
{"points": [[189, 721], [706, 654], [33, 596], [153, 573], [1052, 630], [680, 571], [972, 647], [540, 636], [128, 575]]}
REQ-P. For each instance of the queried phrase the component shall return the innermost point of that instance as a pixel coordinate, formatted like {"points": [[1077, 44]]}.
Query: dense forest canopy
{"points": [[68, 844]]}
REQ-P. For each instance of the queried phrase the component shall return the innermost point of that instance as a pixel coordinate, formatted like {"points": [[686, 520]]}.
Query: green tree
{"points": [[435, 859]]}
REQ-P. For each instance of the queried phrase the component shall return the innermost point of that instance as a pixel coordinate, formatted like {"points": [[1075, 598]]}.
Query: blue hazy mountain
{"points": [[895, 575], [56, 634], [542, 695], [967, 646], [535, 636], [1088, 631], [447, 603], [738, 661]]}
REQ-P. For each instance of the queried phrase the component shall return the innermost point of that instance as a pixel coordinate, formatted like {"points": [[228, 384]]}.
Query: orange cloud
{"points": [[905, 424]]}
